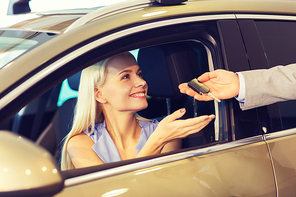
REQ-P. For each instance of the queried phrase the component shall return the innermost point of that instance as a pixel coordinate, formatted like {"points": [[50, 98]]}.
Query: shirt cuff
{"points": [[242, 88]]}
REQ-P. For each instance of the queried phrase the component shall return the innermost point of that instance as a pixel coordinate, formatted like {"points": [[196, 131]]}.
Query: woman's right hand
{"points": [[171, 127], [222, 83]]}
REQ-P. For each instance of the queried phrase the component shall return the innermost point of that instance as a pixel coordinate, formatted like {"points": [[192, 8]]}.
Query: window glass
{"points": [[279, 42], [66, 93], [17, 47], [15, 43]]}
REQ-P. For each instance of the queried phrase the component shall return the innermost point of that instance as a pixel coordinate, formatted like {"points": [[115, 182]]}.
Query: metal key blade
{"points": [[211, 95], [200, 88]]}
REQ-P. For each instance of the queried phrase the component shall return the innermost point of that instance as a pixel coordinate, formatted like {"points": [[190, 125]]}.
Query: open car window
{"points": [[194, 47], [48, 119]]}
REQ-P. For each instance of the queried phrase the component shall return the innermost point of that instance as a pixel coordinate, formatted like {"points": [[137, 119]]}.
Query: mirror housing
{"points": [[26, 169]]}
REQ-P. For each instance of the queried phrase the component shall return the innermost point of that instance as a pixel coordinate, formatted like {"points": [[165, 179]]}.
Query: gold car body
{"points": [[257, 166]]}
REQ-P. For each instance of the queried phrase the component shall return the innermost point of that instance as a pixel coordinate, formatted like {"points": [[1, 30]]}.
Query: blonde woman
{"points": [[106, 127]]}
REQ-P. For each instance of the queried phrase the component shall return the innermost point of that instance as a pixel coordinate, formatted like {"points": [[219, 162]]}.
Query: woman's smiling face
{"points": [[124, 88]]}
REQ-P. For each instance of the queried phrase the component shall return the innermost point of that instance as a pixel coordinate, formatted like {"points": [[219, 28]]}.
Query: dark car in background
{"points": [[241, 153]]}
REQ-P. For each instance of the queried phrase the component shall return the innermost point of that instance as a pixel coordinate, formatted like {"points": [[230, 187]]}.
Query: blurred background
{"points": [[7, 17]]}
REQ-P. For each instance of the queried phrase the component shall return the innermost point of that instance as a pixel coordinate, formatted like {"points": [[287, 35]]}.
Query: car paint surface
{"points": [[48, 23], [228, 172], [283, 150]]}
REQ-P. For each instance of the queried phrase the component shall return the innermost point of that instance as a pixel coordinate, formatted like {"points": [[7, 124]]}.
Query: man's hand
{"points": [[223, 84]]}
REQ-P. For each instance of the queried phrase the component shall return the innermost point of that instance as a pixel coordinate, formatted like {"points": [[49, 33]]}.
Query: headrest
{"points": [[74, 80], [166, 66]]}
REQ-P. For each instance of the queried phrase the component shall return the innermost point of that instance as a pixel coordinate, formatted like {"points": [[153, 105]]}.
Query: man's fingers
{"points": [[186, 90], [183, 87], [203, 97], [204, 77]]}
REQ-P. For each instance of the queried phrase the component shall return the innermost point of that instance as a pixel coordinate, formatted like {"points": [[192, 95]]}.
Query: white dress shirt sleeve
{"points": [[242, 89]]}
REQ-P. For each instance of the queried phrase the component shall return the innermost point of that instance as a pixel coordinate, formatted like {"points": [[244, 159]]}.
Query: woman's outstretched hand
{"points": [[223, 84], [171, 127]]}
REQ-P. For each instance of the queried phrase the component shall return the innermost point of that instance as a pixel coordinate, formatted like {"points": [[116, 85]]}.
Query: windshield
{"points": [[16, 43]]}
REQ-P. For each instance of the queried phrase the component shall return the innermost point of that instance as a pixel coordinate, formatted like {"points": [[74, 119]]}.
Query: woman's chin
{"points": [[144, 106]]}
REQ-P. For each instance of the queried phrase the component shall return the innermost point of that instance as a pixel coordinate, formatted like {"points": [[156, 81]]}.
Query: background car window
{"points": [[279, 42], [16, 43], [7, 42]]}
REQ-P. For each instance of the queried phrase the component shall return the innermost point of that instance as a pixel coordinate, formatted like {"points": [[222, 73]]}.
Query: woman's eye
{"points": [[125, 77], [140, 74]]}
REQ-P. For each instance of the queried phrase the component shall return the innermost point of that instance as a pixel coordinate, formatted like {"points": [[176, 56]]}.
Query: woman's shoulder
{"points": [[77, 141], [80, 151]]}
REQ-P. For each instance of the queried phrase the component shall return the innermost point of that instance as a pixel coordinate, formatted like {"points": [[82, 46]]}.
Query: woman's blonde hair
{"points": [[88, 111]]}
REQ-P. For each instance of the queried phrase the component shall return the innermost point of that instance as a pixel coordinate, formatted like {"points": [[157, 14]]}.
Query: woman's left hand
{"points": [[171, 127]]}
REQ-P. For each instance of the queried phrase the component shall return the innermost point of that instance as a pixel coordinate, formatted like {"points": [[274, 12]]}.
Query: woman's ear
{"points": [[99, 96]]}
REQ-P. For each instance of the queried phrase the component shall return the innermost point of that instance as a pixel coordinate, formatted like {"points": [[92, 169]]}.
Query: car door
{"points": [[274, 38], [234, 169]]}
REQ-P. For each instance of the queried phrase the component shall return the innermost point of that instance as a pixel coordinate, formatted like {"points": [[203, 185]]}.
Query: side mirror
{"points": [[26, 169]]}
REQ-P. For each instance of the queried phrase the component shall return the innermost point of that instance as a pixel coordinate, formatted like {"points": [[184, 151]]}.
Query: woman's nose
{"points": [[141, 82]]}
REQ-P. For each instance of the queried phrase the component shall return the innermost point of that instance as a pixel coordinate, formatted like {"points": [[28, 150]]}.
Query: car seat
{"points": [[51, 138]]}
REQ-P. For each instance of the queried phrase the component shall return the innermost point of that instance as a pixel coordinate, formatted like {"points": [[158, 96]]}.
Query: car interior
{"points": [[48, 119]]}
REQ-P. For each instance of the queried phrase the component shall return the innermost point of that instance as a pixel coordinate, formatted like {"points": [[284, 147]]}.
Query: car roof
{"points": [[124, 15], [59, 21], [194, 7], [52, 21]]}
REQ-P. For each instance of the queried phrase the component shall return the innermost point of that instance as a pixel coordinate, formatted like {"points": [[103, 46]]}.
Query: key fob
{"points": [[198, 87]]}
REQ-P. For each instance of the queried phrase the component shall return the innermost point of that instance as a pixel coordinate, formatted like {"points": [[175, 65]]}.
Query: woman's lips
{"points": [[138, 95]]}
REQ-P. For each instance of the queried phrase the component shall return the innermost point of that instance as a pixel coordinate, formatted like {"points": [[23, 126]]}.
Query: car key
{"points": [[201, 88]]}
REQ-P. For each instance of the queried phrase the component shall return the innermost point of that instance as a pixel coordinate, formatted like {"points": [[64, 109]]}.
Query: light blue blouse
{"points": [[104, 146]]}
